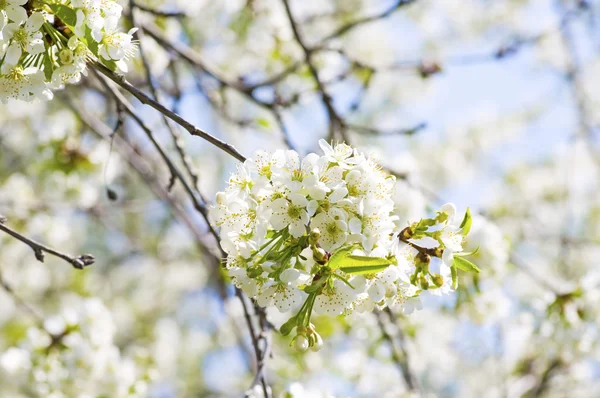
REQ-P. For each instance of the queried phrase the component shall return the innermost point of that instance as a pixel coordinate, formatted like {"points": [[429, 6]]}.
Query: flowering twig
{"points": [[79, 262]]}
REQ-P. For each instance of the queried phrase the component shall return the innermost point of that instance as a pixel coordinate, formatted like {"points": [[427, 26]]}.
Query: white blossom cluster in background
{"points": [[74, 355], [319, 233], [46, 44]]}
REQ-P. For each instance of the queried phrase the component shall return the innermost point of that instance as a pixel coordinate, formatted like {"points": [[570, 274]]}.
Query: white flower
{"points": [[334, 231], [117, 45], [23, 84], [13, 10], [339, 298], [290, 213], [24, 37], [338, 154], [89, 13]]}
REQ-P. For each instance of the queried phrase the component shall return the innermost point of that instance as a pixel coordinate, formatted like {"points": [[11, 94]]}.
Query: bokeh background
{"points": [[489, 104]]}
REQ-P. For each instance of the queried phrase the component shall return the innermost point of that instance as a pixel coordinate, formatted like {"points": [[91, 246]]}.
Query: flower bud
{"points": [[318, 342], [314, 236], [423, 258], [438, 280], [301, 343], [66, 56], [319, 255], [406, 233], [413, 279], [221, 198], [423, 282]]}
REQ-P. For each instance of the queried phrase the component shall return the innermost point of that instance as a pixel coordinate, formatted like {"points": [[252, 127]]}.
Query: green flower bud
{"points": [[314, 236], [437, 279], [423, 282], [413, 279], [319, 255], [66, 56]]}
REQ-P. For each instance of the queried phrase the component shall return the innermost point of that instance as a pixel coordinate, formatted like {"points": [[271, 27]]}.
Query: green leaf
{"points": [[339, 257], [360, 265], [454, 278], [466, 222], [466, 265], [66, 14], [465, 254], [342, 279], [287, 327], [92, 44], [48, 65], [112, 65]]}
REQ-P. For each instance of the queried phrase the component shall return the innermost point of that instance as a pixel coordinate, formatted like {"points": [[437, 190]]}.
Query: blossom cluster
{"points": [[319, 233], [73, 355], [46, 44]]}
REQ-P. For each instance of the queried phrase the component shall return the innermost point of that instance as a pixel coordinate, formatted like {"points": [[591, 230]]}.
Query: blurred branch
{"points": [[79, 262], [195, 60], [365, 20], [375, 131], [155, 12], [185, 158], [399, 352], [335, 122], [146, 100]]}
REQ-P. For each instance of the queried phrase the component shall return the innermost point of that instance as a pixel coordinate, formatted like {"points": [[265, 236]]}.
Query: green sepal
{"points": [[465, 265], [465, 225]]}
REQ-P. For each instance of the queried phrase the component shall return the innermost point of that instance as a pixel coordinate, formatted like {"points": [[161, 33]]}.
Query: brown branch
{"points": [[335, 122], [399, 352], [361, 21], [79, 262], [146, 100]]}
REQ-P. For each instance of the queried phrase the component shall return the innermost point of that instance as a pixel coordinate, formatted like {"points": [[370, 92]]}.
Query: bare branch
{"points": [[146, 100], [79, 262]]}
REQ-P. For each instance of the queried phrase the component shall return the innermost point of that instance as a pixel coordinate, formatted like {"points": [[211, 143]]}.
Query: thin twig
{"points": [[79, 262]]}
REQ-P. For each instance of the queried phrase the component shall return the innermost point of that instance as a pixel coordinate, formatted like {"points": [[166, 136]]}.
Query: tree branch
{"points": [[79, 262]]}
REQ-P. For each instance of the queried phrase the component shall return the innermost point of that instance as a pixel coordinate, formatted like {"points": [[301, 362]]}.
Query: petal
{"points": [[325, 147], [449, 209], [376, 292], [355, 225], [312, 207], [13, 54], [35, 22], [298, 199], [338, 194], [297, 229], [16, 14], [289, 275], [280, 205]]}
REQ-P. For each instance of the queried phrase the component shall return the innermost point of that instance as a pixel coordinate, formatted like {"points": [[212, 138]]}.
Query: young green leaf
{"points": [[454, 278], [465, 254], [465, 225], [64, 13], [339, 256], [360, 265], [465, 265]]}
